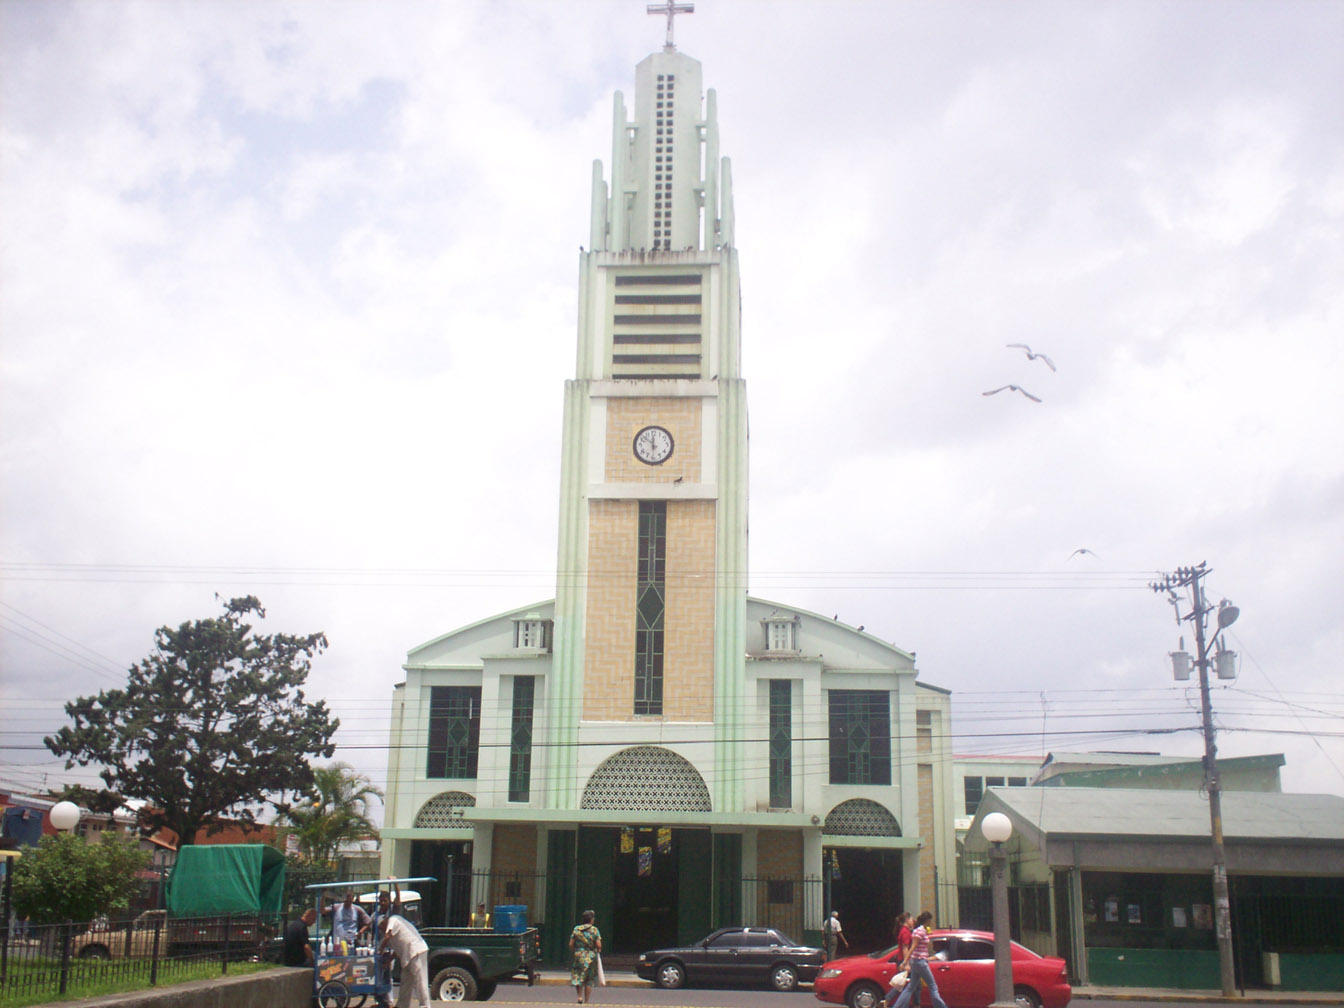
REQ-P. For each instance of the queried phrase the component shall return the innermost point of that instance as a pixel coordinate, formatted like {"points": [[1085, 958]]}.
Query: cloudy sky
{"points": [[287, 300]]}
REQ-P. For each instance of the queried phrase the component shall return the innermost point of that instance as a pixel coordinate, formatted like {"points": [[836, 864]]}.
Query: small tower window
{"points": [[532, 633], [781, 633]]}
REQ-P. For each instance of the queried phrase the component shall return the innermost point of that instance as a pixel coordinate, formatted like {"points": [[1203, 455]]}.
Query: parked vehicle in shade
{"points": [[136, 940], [222, 898], [466, 964], [735, 955], [155, 933], [962, 963]]}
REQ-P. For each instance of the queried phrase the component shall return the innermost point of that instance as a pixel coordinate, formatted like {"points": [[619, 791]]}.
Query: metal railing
{"points": [[62, 959]]}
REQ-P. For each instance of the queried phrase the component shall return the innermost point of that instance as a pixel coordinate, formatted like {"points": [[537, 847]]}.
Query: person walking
{"points": [[917, 963], [833, 934], [404, 940], [585, 942], [904, 939]]}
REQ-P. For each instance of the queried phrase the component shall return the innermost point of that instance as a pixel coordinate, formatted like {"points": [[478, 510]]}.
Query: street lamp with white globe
{"points": [[997, 828], [64, 816]]}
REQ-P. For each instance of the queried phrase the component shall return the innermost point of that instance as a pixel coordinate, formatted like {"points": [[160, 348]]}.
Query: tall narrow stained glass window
{"points": [[454, 731], [781, 743], [860, 736], [520, 738], [650, 607]]}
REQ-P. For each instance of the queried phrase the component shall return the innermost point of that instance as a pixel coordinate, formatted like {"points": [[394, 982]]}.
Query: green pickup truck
{"points": [[466, 964]]}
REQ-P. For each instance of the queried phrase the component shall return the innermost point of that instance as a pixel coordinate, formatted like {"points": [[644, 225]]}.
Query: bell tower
{"points": [[651, 584]]}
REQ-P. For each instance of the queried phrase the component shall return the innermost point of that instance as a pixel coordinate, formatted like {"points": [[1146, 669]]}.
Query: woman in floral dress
{"points": [[586, 943]]}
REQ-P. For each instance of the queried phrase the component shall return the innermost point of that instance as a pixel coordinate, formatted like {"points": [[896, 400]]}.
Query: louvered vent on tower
{"points": [[656, 325]]}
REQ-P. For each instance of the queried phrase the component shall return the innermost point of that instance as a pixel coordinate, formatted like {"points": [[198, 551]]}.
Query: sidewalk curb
{"points": [[1203, 997], [1322, 998]]}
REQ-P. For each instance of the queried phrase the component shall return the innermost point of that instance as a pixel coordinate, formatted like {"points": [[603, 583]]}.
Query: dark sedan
{"points": [[736, 955]]}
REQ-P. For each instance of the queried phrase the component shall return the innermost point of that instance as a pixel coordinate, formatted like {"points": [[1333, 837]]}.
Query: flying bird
{"points": [[1084, 550], [1015, 388], [1032, 356]]}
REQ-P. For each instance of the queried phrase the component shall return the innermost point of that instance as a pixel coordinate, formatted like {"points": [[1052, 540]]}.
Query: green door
{"points": [[561, 914], [727, 880], [597, 854], [693, 895]]}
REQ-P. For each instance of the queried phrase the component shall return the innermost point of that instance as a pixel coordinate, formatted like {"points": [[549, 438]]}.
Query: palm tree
{"points": [[335, 811]]}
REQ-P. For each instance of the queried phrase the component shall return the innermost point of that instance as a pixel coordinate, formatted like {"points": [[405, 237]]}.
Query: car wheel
{"points": [[485, 990], [670, 974], [784, 977], [94, 952], [358, 1002], [864, 995], [453, 984], [1026, 997], [333, 994]]}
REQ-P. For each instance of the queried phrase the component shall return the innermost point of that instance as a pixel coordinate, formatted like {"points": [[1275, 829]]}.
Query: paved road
{"points": [[628, 996]]}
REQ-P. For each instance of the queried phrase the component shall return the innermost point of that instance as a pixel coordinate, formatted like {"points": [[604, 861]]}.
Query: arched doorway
{"points": [[866, 883], [445, 902], [646, 880]]}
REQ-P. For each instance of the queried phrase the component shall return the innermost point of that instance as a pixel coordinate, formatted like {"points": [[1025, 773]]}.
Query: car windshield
{"points": [[884, 953]]}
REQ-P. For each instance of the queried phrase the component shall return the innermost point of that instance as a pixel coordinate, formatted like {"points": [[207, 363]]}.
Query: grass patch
{"points": [[37, 982]]}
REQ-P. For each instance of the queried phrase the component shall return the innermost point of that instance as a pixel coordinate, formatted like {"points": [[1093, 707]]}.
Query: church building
{"points": [[654, 743]]}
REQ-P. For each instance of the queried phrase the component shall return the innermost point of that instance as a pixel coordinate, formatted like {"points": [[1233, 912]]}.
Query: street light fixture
{"points": [[997, 828], [64, 816]]}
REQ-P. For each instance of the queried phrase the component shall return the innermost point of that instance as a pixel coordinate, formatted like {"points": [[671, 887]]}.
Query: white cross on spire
{"points": [[671, 9]]}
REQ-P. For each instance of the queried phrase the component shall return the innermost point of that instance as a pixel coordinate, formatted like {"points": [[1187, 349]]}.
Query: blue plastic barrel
{"points": [[511, 919]]}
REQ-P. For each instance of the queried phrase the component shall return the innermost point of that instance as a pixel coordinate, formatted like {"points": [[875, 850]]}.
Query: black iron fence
{"points": [[39, 961], [781, 903]]}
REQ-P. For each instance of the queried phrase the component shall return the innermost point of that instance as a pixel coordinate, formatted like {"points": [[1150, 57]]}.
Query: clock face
{"points": [[653, 445]]}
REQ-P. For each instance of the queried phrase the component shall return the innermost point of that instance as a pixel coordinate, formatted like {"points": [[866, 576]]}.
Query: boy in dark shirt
{"points": [[298, 950]]}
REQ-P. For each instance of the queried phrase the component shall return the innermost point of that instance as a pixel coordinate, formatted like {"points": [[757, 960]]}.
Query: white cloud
{"points": [[292, 286]]}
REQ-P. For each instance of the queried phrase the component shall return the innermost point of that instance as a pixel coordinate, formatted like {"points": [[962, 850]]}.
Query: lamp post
{"points": [[997, 828], [1224, 661], [9, 851], [64, 816]]}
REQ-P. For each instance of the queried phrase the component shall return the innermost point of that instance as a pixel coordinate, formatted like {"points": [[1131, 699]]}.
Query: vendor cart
{"points": [[346, 976]]}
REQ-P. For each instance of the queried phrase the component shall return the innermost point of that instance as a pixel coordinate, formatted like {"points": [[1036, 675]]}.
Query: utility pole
{"points": [[1192, 578]]}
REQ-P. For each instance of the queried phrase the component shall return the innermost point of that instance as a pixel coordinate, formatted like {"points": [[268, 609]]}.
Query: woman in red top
{"points": [[903, 940], [903, 932], [917, 962]]}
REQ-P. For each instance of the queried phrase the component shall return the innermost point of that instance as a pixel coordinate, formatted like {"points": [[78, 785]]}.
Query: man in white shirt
{"points": [[833, 933], [404, 940]]}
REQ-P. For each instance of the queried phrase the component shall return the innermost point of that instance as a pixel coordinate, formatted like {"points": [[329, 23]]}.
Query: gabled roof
{"points": [[1115, 813], [1101, 770]]}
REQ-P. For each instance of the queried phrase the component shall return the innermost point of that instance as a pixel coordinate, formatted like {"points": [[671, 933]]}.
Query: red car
{"points": [[962, 963]]}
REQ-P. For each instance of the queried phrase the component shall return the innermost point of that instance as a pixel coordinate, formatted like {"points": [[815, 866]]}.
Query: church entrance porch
{"points": [[866, 887], [446, 902], [648, 884]]}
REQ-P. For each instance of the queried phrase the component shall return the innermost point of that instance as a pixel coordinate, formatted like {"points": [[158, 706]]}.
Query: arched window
{"points": [[646, 779], [445, 810], [861, 817]]}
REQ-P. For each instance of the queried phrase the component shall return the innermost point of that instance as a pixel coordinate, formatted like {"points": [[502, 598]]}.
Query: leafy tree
{"points": [[64, 878], [334, 811], [93, 799], [212, 723]]}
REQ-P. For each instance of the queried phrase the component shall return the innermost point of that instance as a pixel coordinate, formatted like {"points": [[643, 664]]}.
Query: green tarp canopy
{"points": [[214, 879]]}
